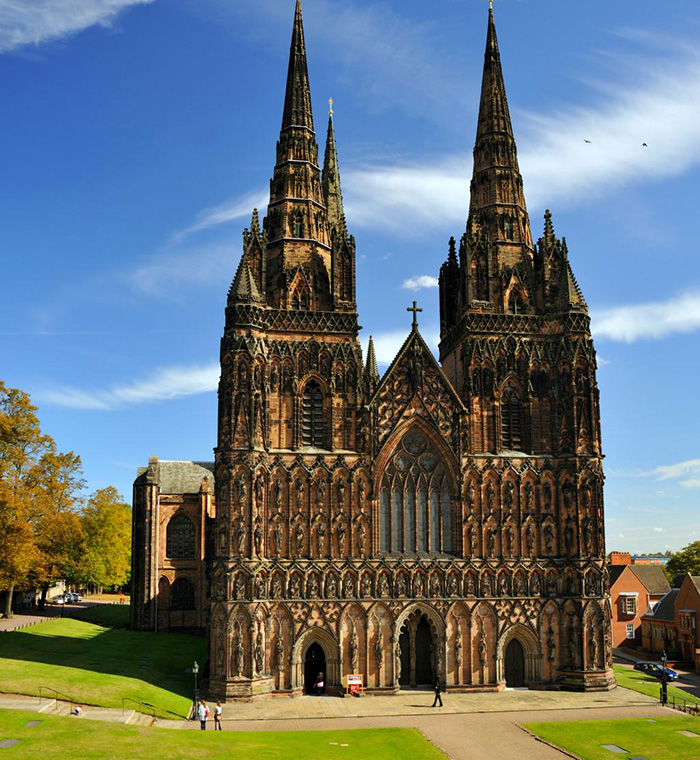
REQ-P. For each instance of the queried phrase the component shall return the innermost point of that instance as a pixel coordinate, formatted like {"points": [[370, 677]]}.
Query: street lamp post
{"points": [[195, 671], [664, 679]]}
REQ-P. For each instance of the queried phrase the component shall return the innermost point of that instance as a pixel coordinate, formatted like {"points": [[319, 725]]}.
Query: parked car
{"points": [[78, 597], [655, 669], [61, 599]]}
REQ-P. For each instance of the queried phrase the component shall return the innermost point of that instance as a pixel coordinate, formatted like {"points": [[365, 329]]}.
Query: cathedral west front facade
{"points": [[443, 521]]}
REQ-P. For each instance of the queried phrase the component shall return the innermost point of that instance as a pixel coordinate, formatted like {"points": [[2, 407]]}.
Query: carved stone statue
{"points": [[547, 492], [469, 586], [379, 650], [551, 646], [259, 654], [491, 542], [548, 538], [529, 500], [332, 586], [366, 586], [241, 490], [279, 653], [490, 497], [401, 586], [238, 655], [384, 590], [294, 587], [299, 492], [312, 591], [349, 587], [486, 587], [277, 538], [483, 652], [471, 497], [519, 585], [341, 533], [509, 496], [321, 538], [361, 537], [277, 587], [530, 540], [435, 590], [240, 587], [277, 488], [240, 534], [354, 651], [341, 493], [299, 538], [452, 586], [535, 585], [592, 648], [258, 540]]}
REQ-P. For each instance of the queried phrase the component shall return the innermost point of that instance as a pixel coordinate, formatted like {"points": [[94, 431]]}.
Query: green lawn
{"points": [[108, 615], [67, 738], [657, 741], [641, 682], [98, 665]]}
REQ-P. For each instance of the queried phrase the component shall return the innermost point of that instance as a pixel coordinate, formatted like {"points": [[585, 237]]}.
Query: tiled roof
{"points": [[653, 577], [666, 607], [178, 477]]}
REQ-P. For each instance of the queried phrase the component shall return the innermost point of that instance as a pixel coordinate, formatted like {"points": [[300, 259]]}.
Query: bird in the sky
{"points": [[587, 141], [644, 145]]}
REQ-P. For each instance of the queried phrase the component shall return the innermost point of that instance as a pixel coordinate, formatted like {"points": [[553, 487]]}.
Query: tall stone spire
{"points": [[371, 371], [497, 200], [297, 102], [331, 180], [299, 244]]}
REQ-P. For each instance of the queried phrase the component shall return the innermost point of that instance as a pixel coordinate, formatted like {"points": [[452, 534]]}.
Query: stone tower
{"points": [[442, 522], [516, 345]]}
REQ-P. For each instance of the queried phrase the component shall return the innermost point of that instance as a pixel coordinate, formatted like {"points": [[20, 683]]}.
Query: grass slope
{"points": [[67, 738], [98, 665], [108, 615], [660, 740], [644, 684]]}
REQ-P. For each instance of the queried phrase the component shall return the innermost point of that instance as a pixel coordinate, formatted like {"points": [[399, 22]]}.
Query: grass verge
{"points": [[645, 684], [641, 737], [107, 615], [98, 665], [67, 738]]}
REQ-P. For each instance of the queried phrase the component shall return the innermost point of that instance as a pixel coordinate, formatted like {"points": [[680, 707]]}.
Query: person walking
{"points": [[217, 716], [203, 713], [438, 691]]}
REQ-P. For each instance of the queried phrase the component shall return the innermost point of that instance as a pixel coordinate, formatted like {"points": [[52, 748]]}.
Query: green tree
{"points": [[107, 527], [685, 561]]}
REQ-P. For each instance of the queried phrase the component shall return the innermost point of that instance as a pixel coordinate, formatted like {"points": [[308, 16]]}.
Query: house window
{"points": [[630, 630], [312, 427], [179, 542], [629, 605], [182, 595]]}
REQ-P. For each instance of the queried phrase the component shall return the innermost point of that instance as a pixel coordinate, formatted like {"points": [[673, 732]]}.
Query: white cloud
{"points": [[659, 530], [229, 211], [196, 265], [690, 483], [420, 282], [31, 22], [675, 471], [164, 384], [677, 315]]}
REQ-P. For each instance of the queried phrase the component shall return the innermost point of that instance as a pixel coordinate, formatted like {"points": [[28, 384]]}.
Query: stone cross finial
{"points": [[415, 311], [330, 104]]}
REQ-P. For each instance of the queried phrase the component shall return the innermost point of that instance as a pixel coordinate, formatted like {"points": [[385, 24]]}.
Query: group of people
{"points": [[204, 714]]}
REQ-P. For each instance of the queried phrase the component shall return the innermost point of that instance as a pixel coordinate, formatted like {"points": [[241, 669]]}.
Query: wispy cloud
{"points": [[31, 22], [680, 471], [678, 315], [164, 384], [420, 282], [229, 211]]}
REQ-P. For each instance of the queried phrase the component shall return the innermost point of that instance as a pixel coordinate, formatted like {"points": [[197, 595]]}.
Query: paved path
{"points": [[473, 736]]}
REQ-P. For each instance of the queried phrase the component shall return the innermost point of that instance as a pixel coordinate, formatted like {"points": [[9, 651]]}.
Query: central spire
{"points": [[297, 102], [497, 199]]}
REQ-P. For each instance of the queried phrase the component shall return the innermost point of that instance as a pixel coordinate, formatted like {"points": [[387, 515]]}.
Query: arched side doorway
{"points": [[314, 664], [316, 649], [420, 650], [514, 667], [518, 657]]}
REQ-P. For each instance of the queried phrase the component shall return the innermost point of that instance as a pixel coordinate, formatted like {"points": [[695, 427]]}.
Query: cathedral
{"points": [[442, 522]]}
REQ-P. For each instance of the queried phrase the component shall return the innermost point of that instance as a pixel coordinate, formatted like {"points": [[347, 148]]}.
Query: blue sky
{"points": [[137, 135]]}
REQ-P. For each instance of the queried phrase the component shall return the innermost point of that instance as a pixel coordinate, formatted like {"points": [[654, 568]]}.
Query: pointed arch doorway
{"points": [[515, 665], [314, 663], [417, 644]]}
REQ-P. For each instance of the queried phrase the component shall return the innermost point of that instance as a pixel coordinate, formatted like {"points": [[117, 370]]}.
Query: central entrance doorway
{"points": [[417, 652], [515, 664], [314, 663]]}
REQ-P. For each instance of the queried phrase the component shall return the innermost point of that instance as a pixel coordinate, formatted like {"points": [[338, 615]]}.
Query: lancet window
{"points": [[312, 422], [182, 595], [511, 420], [415, 499]]}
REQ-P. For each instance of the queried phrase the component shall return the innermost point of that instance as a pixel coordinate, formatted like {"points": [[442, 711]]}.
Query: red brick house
{"points": [[634, 590], [687, 614], [659, 632]]}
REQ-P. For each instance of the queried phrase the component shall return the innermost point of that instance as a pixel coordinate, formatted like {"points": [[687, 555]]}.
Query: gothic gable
{"points": [[415, 384]]}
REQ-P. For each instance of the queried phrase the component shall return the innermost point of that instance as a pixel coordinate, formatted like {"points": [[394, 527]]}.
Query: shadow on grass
{"points": [[160, 659]]}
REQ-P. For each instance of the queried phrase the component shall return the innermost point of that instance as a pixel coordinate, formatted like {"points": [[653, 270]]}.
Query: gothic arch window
{"points": [[415, 499], [515, 303], [312, 417], [182, 595], [180, 538], [511, 420], [300, 300]]}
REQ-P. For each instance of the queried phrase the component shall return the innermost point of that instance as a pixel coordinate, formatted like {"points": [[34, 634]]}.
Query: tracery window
{"points": [[515, 304], [300, 300], [511, 420], [415, 499], [182, 595], [312, 422], [180, 538]]}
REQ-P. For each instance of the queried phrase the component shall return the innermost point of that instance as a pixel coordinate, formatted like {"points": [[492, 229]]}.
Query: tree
{"points": [[38, 499], [685, 561], [107, 527]]}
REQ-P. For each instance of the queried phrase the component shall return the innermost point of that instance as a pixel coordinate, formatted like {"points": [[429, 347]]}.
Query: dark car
{"points": [[656, 670]]}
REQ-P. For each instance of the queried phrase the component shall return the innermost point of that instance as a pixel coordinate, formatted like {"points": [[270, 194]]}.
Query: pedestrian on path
{"points": [[438, 690], [217, 716], [203, 712], [319, 684]]}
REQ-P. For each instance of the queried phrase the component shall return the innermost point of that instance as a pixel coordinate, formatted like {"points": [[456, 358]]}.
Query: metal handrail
{"points": [[679, 703], [58, 694], [149, 708]]}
